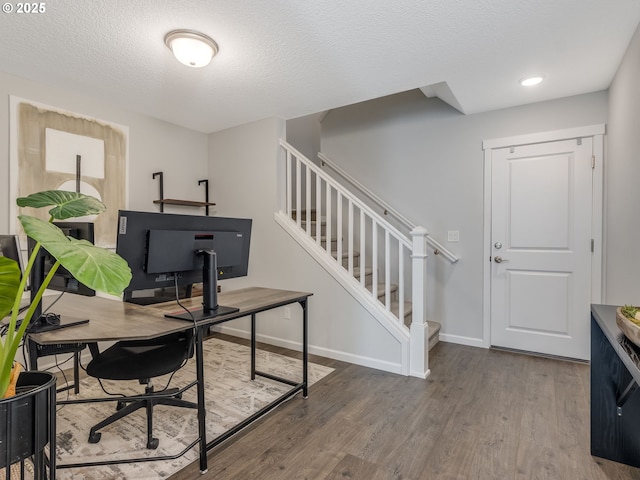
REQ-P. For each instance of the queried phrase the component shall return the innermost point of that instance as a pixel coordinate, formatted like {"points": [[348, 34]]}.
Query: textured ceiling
{"points": [[290, 58]]}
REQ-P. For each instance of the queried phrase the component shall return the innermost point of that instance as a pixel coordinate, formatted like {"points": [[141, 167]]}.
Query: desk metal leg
{"points": [[202, 426], [76, 372], [305, 348], [52, 441], [33, 354], [253, 346]]}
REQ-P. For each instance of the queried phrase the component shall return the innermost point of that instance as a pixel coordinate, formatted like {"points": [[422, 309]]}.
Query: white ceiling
{"points": [[290, 58]]}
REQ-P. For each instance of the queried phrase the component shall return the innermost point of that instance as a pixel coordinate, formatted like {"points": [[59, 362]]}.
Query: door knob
{"points": [[499, 259]]}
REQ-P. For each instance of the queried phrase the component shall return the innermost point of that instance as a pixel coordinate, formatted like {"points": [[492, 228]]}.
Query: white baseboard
{"points": [[321, 351], [358, 360], [460, 340], [49, 362]]}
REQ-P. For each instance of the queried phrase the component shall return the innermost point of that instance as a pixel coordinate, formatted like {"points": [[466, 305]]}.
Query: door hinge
{"points": [[593, 162], [593, 243]]}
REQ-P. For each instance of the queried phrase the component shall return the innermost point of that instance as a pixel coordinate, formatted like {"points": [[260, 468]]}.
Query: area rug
{"points": [[230, 397]]}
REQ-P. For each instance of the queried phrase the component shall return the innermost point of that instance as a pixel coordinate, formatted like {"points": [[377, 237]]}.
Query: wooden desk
{"points": [[109, 318], [113, 320]]}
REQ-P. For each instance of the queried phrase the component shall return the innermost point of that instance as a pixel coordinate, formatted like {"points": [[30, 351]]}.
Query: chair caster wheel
{"points": [[94, 437], [153, 443]]}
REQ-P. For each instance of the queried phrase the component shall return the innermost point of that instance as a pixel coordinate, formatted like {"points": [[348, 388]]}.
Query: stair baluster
{"points": [[340, 222]]}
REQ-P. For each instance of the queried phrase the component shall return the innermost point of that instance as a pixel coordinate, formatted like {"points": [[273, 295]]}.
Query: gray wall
{"points": [[244, 166], [304, 134], [153, 145], [422, 156], [426, 160], [241, 166], [622, 266]]}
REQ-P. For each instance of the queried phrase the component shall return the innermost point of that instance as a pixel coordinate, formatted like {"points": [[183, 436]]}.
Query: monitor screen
{"points": [[10, 248], [164, 249], [62, 280]]}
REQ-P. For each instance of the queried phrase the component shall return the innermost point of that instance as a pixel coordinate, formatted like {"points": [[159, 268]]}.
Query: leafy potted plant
{"points": [[96, 267]]}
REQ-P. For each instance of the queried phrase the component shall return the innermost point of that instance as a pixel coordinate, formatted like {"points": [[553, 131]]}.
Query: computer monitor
{"points": [[62, 279], [10, 248], [164, 250]]}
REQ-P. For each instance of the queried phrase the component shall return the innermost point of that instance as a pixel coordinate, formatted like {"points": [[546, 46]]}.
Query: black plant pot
{"points": [[27, 423]]}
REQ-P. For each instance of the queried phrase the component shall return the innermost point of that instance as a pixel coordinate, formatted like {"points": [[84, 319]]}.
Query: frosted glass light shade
{"points": [[191, 48]]}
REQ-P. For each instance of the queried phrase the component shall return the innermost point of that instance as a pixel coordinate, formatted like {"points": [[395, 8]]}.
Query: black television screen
{"points": [[162, 250]]}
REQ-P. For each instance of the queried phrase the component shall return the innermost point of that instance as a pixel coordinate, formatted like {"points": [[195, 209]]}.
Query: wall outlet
{"points": [[287, 313], [453, 236]]}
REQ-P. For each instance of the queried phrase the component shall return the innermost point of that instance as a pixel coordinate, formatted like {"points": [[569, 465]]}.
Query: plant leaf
{"points": [[66, 204], [96, 267], [9, 284]]}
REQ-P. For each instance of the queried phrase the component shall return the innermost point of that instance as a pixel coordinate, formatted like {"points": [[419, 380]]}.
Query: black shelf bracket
{"points": [[206, 195], [160, 174], [78, 172]]}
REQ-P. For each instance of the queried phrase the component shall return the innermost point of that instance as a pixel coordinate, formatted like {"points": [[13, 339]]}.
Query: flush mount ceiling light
{"points": [[194, 49], [531, 81]]}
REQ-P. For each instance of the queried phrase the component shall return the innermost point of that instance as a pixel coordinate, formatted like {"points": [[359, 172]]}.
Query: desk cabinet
{"points": [[615, 403]]}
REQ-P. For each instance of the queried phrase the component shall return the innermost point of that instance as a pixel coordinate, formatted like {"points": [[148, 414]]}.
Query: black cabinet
{"points": [[615, 401]]}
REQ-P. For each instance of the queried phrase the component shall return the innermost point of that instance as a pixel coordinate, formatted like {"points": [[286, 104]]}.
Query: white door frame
{"points": [[597, 284]]}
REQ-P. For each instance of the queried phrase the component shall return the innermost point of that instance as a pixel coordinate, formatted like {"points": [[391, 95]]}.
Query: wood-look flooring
{"points": [[482, 414]]}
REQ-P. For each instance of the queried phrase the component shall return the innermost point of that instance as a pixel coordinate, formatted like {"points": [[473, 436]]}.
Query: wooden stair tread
{"points": [[434, 333], [434, 327], [393, 288], [367, 271], [395, 307], [303, 216], [334, 238], [345, 254], [314, 222]]}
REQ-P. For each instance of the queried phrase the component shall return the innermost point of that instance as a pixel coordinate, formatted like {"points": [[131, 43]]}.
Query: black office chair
{"points": [[142, 361]]}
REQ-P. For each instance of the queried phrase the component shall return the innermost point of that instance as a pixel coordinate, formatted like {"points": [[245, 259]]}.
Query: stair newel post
{"points": [[419, 330]]}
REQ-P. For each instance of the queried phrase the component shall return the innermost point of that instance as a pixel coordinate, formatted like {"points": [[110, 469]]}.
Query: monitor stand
{"points": [[202, 314], [46, 322], [63, 321], [210, 308]]}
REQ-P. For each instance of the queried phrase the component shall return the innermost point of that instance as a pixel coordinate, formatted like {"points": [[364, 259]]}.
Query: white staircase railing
{"points": [[438, 248], [380, 265]]}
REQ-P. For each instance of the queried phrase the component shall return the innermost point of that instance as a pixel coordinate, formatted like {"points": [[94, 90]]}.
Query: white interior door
{"points": [[541, 247]]}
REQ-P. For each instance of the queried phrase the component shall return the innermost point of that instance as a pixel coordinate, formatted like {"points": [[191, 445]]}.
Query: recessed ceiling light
{"points": [[531, 81], [194, 49]]}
